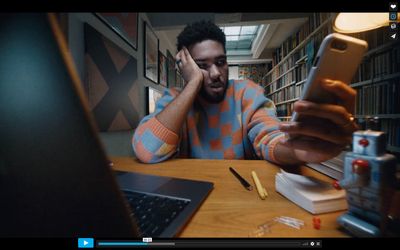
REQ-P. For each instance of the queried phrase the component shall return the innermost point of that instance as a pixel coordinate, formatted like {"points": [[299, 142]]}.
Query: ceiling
{"points": [[277, 27]]}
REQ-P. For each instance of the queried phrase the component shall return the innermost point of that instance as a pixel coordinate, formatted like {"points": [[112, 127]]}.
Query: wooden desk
{"points": [[232, 211]]}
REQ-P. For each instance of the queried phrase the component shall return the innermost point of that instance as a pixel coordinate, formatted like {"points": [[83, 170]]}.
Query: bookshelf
{"points": [[292, 61], [377, 80]]}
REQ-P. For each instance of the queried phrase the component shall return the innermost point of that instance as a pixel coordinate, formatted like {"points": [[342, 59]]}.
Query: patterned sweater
{"points": [[243, 126]]}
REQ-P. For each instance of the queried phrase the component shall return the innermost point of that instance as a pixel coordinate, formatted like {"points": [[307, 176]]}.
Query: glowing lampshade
{"points": [[359, 22]]}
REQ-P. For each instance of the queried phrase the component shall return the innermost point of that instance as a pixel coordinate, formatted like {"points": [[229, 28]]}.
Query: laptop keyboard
{"points": [[153, 213]]}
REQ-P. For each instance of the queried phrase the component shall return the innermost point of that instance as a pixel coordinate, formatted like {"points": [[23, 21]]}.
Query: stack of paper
{"points": [[313, 195]]}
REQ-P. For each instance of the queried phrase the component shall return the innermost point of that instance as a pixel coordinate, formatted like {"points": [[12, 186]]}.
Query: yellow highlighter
{"points": [[260, 189]]}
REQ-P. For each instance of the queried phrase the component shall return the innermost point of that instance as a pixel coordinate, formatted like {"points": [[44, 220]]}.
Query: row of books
{"points": [[284, 80], [380, 64], [301, 55], [379, 98], [375, 38], [301, 72], [296, 66], [285, 109], [314, 21], [287, 93], [280, 70], [392, 128], [297, 74]]}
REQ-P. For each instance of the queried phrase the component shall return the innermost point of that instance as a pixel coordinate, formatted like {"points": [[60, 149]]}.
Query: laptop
{"points": [[55, 178]]}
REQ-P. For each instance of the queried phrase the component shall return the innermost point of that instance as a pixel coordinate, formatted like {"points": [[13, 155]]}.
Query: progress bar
{"points": [[129, 243], [183, 243]]}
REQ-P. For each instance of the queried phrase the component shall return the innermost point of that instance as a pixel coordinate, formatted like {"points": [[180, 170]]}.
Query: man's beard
{"points": [[213, 98]]}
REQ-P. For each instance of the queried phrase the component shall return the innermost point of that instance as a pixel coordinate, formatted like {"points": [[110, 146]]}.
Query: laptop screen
{"points": [[54, 177]]}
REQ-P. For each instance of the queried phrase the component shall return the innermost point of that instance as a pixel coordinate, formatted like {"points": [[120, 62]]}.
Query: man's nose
{"points": [[214, 72]]}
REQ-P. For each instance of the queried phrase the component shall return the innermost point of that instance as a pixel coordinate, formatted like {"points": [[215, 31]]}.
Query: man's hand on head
{"points": [[191, 72]]}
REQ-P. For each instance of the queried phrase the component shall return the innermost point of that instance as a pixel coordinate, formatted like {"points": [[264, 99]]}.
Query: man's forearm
{"points": [[286, 155], [175, 112]]}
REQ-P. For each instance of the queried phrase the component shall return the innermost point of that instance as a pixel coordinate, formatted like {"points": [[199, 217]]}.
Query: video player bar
{"points": [[217, 243]]}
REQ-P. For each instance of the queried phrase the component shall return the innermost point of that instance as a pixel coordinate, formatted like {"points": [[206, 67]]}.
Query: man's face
{"points": [[209, 56]]}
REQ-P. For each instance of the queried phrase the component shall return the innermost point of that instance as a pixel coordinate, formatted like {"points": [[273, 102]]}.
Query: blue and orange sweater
{"points": [[243, 126]]}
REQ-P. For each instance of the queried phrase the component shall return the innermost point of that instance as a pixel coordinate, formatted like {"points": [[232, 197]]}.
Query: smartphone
{"points": [[337, 59]]}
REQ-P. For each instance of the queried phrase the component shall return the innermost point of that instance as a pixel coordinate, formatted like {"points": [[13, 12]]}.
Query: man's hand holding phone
{"points": [[325, 129], [323, 122]]}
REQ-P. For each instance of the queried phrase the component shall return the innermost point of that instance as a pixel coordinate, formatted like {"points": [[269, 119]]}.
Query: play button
{"points": [[85, 242]]}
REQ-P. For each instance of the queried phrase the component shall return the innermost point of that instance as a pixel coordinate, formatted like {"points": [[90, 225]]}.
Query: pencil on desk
{"points": [[265, 192], [260, 189]]}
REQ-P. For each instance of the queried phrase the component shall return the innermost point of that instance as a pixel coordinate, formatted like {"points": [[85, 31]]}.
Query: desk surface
{"points": [[232, 211]]}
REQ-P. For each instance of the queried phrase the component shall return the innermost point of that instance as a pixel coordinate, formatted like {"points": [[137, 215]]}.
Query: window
{"points": [[240, 37]]}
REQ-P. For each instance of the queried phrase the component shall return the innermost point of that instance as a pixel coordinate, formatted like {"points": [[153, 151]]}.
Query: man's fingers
{"points": [[335, 113], [343, 91], [311, 145], [178, 55], [322, 131], [184, 56]]}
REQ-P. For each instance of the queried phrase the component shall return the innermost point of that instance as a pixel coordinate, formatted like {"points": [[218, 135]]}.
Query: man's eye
{"points": [[221, 62], [202, 66]]}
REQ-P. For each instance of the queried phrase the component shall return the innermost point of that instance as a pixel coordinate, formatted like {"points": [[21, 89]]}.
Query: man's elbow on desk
{"points": [[146, 156]]}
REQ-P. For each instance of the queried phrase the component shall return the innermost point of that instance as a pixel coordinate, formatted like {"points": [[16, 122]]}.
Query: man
{"points": [[216, 118]]}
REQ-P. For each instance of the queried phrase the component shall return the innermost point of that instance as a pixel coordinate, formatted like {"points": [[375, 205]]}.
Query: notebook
{"points": [[55, 178], [314, 195]]}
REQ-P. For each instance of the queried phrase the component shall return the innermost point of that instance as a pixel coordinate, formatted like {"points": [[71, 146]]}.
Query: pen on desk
{"points": [[260, 189], [241, 179]]}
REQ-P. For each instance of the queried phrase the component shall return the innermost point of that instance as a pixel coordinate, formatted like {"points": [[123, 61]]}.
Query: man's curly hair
{"points": [[198, 32]]}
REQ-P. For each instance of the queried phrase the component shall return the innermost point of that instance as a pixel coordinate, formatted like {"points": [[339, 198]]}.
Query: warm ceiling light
{"points": [[359, 22]]}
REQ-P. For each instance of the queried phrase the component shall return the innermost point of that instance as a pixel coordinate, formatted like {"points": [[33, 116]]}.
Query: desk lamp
{"points": [[360, 22]]}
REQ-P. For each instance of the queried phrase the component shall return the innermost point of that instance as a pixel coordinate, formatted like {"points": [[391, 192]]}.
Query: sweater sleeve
{"points": [[262, 130], [152, 141]]}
